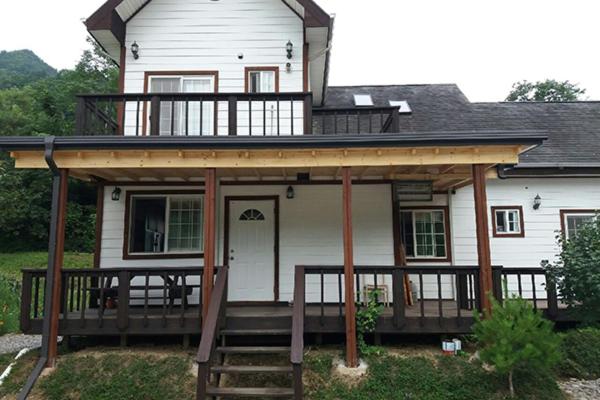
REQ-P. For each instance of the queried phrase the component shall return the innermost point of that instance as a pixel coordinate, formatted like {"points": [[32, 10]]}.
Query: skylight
{"points": [[403, 104], [363, 100]]}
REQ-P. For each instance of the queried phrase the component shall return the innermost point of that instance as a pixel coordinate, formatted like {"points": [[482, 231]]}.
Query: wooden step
{"points": [[253, 350], [250, 369], [256, 332], [249, 392]]}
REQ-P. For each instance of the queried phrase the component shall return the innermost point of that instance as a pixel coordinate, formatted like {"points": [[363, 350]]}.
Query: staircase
{"points": [[252, 371]]}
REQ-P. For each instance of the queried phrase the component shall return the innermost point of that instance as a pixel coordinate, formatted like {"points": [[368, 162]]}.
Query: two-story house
{"points": [[240, 195]]}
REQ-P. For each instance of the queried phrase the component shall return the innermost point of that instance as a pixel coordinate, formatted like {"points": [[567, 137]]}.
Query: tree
{"points": [[47, 107], [516, 336], [577, 271], [549, 90]]}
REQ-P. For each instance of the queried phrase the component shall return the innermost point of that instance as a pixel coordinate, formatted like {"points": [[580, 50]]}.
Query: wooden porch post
{"points": [[483, 236], [210, 188], [56, 252], [351, 349]]}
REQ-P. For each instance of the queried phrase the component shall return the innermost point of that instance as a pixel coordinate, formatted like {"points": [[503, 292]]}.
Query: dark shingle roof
{"points": [[573, 128]]}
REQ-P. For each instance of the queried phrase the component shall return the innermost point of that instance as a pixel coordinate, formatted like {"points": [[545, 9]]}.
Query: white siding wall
{"points": [[202, 35]]}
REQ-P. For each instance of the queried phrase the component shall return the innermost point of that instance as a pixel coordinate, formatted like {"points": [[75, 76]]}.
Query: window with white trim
{"points": [[424, 233], [574, 221], [507, 221], [166, 224], [200, 114]]}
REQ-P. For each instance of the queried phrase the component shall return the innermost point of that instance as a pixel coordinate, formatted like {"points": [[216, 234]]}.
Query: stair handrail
{"points": [[297, 350], [215, 318]]}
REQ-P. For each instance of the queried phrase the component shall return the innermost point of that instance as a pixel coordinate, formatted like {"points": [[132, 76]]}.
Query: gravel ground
{"points": [[13, 343], [581, 390]]}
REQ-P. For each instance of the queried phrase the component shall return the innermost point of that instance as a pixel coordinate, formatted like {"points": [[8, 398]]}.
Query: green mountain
{"points": [[21, 67]]}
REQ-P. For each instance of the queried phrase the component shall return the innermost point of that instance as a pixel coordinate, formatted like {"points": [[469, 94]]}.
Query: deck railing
{"points": [[356, 121], [214, 322], [118, 300], [232, 114], [418, 298], [194, 114]]}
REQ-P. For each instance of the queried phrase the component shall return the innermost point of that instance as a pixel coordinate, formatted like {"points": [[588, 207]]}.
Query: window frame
{"points": [[564, 214], [130, 194], [148, 75], [446, 218], [248, 70], [519, 209]]}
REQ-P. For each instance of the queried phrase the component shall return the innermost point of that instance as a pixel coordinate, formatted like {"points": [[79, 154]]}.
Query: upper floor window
{"points": [[424, 233], [200, 115], [507, 221], [262, 79], [165, 224], [573, 220]]}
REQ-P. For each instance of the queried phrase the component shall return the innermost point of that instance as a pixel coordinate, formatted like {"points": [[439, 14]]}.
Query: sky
{"points": [[484, 46]]}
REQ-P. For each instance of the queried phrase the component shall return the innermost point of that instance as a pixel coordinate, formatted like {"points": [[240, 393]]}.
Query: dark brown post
{"points": [[210, 188], [552, 297], [99, 218], [123, 305], [232, 110], [57, 253], [399, 297], [26, 300], [155, 116], [307, 114], [483, 236], [351, 349], [80, 117]]}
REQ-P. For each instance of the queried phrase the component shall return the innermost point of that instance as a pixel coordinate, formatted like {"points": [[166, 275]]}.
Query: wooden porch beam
{"points": [[351, 348], [483, 236], [210, 189]]}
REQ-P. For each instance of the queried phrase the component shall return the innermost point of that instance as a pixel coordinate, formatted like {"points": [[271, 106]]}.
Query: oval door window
{"points": [[252, 215]]}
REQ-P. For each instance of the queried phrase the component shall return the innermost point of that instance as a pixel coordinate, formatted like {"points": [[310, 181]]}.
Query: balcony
{"points": [[224, 114]]}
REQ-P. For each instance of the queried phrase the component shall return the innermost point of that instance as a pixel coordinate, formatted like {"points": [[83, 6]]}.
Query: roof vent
{"points": [[363, 100], [403, 104]]}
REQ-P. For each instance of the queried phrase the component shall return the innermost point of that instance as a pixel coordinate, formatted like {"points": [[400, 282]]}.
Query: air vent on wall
{"points": [[413, 190]]}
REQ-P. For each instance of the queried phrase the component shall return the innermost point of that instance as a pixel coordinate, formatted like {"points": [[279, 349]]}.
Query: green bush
{"points": [[366, 321], [514, 337], [9, 305], [581, 354], [577, 271]]}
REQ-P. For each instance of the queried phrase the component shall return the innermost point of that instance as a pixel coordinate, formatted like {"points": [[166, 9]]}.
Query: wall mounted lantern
{"points": [[290, 194], [537, 202], [135, 50], [289, 47], [116, 194]]}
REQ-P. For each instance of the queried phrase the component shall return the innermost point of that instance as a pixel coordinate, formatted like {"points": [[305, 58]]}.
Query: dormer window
{"points": [[363, 100], [262, 79], [404, 107]]}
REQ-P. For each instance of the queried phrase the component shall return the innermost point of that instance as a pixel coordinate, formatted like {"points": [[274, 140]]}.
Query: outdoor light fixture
{"points": [[537, 202], [289, 47], [116, 194], [135, 50], [290, 192]]}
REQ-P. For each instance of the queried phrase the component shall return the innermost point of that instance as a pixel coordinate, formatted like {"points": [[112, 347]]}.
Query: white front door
{"points": [[251, 250]]}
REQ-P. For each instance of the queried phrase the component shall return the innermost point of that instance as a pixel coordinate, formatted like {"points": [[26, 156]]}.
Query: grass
{"points": [[422, 377], [166, 373], [581, 354], [10, 281], [18, 375]]}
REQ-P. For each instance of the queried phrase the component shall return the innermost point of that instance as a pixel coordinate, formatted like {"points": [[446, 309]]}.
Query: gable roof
{"points": [[573, 128]]}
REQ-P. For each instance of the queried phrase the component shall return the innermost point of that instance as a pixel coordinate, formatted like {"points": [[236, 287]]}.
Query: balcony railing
{"points": [[233, 114]]}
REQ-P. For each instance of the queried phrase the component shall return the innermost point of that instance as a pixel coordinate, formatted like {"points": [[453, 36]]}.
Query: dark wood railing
{"points": [[441, 295], [146, 299], [366, 120], [297, 351], [194, 114], [214, 322]]}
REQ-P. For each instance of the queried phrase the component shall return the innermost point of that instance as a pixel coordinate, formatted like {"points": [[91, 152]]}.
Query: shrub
{"points": [[581, 354], [577, 271], [515, 336], [366, 321], [9, 305]]}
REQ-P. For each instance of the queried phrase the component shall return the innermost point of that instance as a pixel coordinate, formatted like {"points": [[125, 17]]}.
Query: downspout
{"points": [[501, 170], [41, 364]]}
